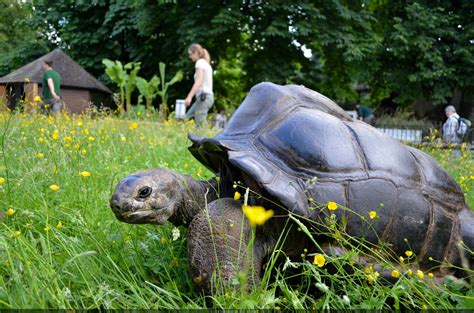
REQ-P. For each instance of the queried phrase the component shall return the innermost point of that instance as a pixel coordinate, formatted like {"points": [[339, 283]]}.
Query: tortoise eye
{"points": [[144, 192]]}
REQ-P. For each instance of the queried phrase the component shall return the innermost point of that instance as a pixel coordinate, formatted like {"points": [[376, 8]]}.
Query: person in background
{"points": [[202, 87], [366, 114], [451, 125], [51, 91]]}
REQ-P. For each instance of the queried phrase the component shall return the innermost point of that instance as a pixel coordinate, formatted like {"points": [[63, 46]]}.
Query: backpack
{"points": [[463, 127]]}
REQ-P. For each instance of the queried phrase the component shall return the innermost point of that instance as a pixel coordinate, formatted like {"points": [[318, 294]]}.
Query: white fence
{"points": [[409, 135]]}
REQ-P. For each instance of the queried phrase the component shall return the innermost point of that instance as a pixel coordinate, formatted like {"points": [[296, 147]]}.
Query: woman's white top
{"points": [[206, 86]]}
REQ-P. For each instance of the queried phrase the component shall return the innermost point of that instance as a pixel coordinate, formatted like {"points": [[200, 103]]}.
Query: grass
{"points": [[65, 249]]}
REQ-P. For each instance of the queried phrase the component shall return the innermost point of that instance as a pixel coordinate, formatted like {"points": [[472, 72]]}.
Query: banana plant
{"points": [[118, 75], [131, 82], [164, 88], [148, 89]]}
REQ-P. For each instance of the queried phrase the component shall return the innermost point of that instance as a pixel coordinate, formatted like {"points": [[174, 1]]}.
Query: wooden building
{"points": [[79, 89]]}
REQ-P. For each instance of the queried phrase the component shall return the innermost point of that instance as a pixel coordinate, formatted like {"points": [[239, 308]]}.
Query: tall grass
{"points": [[64, 248]]}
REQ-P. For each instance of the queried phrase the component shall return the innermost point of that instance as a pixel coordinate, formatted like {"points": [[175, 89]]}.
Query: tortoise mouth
{"points": [[142, 216]]}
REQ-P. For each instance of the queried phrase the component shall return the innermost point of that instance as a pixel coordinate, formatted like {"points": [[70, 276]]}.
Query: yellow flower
{"points": [[91, 138], [85, 174], [402, 259], [372, 214], [40, 155], [55, 134], [59, 225], [236, 195], [27, 79], [319, 260], [47, 229], [420, 274], [408, 253], [83, 151], [40, 139], [134, 125], [123, 138], [2, 180], [37, 99], [10, 212], [410, 272], [430, 275], [332, 206], [54, 187], [17, 233], [257, 215], [395, 274]]}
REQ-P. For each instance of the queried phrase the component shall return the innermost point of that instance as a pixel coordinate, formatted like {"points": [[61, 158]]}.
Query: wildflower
{"points": [[420, 274], [40, 155], [345, 299], [40, 139], [55, 134], [17, 233], [83, 151], [134, 125], [2, 180], [395, 274], [332, 206], [175, 233], [257, 215], [430, 275], [319, 260], [85, 174], [54, 187], [47, 228], [123, 138], [408, 253], [59, 225], [91, 139], [236, 195], [402, 259], [372, 214], [410, 272], [10, 212], [37, 99]]}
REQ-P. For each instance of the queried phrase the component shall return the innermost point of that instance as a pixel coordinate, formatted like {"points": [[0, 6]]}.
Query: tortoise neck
{"points": [[195, 195]]}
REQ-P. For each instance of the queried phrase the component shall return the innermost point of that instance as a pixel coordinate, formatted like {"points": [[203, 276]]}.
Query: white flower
{"points": [[67, 292], [175, 233], [346, 300]]}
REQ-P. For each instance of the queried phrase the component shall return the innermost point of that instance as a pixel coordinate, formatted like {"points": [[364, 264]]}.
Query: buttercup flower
{"points": [[408, 253], [10, 212], [59, 225], [395, 274], [420, 274], [372, 214], [37, 99], [236, 195], [319, 260], [134, 125], [257, 215], [54, 187], [55, 134], [40, 155], [2, 180], [85, 174], [332, 206], [430, 275]]}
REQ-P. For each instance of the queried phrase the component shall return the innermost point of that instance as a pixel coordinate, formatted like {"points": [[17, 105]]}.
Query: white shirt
{"points": [[450, 128], [206, 86]]}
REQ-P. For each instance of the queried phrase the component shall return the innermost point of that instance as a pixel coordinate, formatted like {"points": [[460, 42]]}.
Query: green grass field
{"points": [[62, 247]]}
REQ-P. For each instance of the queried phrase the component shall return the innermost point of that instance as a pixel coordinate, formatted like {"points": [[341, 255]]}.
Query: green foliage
{"points": [[148, 89], [118, 75], [130, 82], [230, 83], [163, 92]]}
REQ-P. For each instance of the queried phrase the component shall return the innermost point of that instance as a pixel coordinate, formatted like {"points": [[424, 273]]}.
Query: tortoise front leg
{"points": [[218, 247]]}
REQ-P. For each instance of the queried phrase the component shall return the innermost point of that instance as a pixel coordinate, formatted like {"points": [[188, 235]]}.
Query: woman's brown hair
{"points": [[202, 53]]}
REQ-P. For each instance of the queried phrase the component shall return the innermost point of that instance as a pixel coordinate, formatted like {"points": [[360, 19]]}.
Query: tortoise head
{"points": [[149, 197]]}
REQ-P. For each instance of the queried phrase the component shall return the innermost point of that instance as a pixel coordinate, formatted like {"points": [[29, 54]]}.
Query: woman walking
{"points": [[202, 87]]}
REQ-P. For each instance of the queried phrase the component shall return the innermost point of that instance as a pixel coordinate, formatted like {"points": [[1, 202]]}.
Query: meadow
{"points": [[61, 246]]}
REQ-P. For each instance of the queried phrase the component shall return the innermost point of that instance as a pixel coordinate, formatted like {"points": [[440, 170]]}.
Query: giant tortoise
{"points": [[293, 147]]}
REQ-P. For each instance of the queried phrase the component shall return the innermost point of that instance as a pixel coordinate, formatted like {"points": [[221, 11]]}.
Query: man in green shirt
{"points": [[51, 92], [366, 114]]}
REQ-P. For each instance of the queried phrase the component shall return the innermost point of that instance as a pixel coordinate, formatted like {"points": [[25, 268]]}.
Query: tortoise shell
{"points": [[284, 136]]}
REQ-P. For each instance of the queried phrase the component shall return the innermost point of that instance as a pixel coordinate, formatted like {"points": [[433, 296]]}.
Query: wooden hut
{"points": [[78, 88]]}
